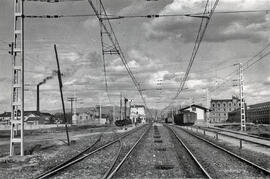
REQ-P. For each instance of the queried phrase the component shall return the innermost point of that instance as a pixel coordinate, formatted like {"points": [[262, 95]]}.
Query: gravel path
{"points": [[218, 163]]}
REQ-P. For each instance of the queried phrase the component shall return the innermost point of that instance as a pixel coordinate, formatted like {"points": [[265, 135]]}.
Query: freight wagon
{"points": [[185, 118]]}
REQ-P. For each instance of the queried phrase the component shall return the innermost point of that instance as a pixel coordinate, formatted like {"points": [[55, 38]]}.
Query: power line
{"points": [[115, 44], [150, 16], [52, 1], [199, 38], [246, 64]]}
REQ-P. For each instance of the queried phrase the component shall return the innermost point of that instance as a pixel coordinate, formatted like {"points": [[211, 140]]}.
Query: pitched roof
{"points": [[26, 113], [6, 114], [194, 105]]}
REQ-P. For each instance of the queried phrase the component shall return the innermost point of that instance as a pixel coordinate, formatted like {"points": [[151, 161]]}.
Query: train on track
{"points": [[185, 118]]}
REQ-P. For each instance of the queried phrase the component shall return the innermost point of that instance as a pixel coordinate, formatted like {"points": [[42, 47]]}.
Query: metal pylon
{"points": [[107, 46], [242, 101], [17, 100]]}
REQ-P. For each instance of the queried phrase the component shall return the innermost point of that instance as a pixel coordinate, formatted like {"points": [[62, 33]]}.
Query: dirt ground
{"points": [[46, 148]]}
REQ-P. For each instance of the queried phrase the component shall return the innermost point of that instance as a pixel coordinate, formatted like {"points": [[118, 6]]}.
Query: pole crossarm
{"points": [[107, 28]]}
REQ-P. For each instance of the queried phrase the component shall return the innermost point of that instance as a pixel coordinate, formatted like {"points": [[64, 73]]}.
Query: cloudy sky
{"points": [[158, 51]]}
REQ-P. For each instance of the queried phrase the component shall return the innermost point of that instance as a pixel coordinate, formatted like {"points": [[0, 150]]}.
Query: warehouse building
{"points": [[201, 112], [221, 107]]}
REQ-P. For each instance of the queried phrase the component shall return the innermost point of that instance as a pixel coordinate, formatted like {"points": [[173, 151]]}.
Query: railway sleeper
{"points": [[164, 166], [162, 149], [158, 141]]}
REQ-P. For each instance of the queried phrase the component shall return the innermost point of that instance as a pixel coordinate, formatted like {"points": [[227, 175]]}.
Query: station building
{"points": [[221, 107]]}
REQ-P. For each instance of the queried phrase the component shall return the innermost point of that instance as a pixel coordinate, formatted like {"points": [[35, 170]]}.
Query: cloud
{"points": [[4, 79], [267, 81], [223, 27], [196, 83]]}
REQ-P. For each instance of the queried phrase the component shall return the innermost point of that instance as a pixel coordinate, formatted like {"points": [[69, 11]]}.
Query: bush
{"points": [[121, 123]]}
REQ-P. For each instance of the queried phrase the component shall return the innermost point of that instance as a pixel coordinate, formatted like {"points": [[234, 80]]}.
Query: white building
{"points": [[137, 112], [201, 112], [84, 118]]}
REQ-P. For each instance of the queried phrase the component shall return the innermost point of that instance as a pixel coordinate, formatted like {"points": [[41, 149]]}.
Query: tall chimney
{"points": [[38, 98]]}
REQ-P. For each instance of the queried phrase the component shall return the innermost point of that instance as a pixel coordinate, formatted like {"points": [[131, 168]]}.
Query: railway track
{"points": [[121, 159], [236, 132], [194, 169], [217, 161], [94, 148], [249, 139]]}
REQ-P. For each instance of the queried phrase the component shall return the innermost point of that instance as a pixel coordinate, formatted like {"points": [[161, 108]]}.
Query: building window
{"points": [[218, 105], [213, 105]]}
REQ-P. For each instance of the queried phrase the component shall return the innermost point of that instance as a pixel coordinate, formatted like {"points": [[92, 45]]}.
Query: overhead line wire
{"points": [[115, 43], [246, 64], [196, 47], [115, 17]]}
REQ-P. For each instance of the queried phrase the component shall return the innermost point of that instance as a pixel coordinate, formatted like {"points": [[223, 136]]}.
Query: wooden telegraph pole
{"points": [[61, 92]]}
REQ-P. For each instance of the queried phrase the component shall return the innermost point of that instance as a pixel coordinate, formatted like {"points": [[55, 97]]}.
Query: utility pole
{"points": [[242, 101], [17, 100], [125, 100], [61, 92], [121, 106], [100, 112], [130, 101], [38, 98], [113, 113], [71, 99]]}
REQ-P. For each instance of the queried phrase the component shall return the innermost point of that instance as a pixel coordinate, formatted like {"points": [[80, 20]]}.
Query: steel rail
{"points": [[190, 153], [267, 172], [69, 160], [82, 156], [235, 132], [111, 168], [234, 137], [127, 155]]}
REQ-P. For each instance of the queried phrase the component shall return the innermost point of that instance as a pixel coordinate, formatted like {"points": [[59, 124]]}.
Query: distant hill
{"points": [[104, 110]]}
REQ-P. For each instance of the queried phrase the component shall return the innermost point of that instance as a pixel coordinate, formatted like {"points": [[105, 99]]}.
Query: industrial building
{"points": [[221, 107], [30, 117], [256, 113], [137, 112]]}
